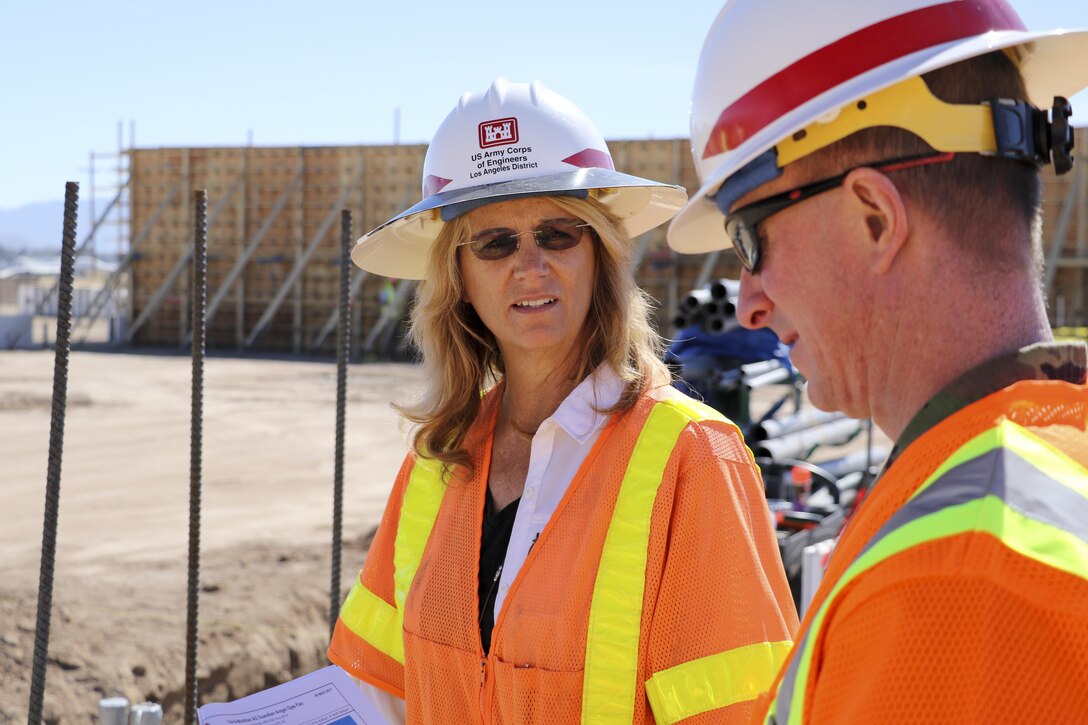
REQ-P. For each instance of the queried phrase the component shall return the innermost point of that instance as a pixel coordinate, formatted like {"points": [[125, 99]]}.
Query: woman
{"points": [[580, 542]]}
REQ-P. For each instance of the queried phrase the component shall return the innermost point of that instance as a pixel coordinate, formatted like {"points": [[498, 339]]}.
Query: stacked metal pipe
{"points": [[713, 307], [782, 440], [791, 440], [797, 435], [802, 442]]}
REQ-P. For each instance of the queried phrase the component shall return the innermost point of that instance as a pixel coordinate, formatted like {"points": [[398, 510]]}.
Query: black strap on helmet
{"points": [[1024, 133]]}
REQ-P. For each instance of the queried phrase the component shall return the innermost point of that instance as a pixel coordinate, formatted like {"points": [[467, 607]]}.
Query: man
{"points": [[875, 166]]}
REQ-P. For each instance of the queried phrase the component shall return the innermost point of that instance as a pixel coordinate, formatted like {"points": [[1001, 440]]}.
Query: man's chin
{"points": [[828, 406], [822, 399]]}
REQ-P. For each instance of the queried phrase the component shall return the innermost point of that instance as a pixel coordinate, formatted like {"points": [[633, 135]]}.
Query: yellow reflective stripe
{"points": [[979, 445], [1029, 537], [1033, 538], [418, 511], [696, 410], [772, 713], [374, 620], [717, 681], [895, 542], [1055, 463], [703, 412], [378, 623], [615, 613]]}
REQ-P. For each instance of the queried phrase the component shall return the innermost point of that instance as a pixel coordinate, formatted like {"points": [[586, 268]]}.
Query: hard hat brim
{"points": [[401, 246], [1052, 63]]}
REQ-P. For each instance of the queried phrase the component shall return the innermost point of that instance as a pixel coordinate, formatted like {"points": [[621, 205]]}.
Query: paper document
{"points": [[325, 697]]}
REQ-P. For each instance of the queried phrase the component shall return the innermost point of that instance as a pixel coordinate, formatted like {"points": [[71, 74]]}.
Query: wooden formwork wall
{"points": [[284, 204], [250, 192], [666, 275], [1065, 238], [251, 195]]}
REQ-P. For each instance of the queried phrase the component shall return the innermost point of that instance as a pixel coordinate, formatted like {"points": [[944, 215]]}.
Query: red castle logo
{"points": [[498, 132]]}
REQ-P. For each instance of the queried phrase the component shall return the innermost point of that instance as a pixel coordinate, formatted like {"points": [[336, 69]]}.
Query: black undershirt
{"points": [[494, 541]]}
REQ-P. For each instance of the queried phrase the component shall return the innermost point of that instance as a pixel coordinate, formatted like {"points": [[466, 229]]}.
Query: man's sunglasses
{"points": [[554, 235], [742, 225]]}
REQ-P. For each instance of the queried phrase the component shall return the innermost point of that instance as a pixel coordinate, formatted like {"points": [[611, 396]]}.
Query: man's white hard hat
{"points": [[771, 68]]}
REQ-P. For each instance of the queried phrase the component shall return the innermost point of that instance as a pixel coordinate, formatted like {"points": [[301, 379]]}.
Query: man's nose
{"points": [[753, 305]]}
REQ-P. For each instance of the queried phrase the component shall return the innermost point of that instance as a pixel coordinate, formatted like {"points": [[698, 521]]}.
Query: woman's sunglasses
{"points": [[554, 235]]}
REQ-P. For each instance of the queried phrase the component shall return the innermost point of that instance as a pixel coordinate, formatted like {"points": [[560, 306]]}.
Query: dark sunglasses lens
{"points": [[494, 246], [553, 236], [556, 236], [744, 241]]}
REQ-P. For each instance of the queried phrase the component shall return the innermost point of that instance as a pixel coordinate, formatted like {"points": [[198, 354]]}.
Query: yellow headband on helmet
{"points": [[1003, 128], [908, 105]]}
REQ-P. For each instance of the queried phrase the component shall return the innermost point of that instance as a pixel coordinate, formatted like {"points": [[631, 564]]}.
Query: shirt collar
{"points": [[579, 414], [1042, 361]]}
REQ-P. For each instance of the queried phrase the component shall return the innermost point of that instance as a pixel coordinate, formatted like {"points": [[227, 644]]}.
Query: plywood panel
{"points": [[390, 183]]}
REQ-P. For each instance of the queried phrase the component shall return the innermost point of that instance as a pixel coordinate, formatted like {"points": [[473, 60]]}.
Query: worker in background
{"points": [[875, 165], [581, 542], [391, 303]]}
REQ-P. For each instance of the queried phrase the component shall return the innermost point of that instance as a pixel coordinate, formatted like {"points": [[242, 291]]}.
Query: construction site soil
{"points": [[119, 598], [118, 623]]}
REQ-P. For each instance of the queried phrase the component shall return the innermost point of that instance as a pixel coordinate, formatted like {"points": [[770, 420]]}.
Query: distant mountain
{"points": [[32, 227], [39, 227]]}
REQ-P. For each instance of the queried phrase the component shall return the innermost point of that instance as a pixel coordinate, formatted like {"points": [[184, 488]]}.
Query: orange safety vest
{"points": [[959, 592], [654, 593]]}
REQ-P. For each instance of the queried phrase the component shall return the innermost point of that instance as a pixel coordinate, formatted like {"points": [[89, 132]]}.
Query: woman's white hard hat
{"points": [[511, 141], [768, 70]]}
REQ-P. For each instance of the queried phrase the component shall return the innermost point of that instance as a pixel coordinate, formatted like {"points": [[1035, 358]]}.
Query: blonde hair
{"points": [[461, 357]]}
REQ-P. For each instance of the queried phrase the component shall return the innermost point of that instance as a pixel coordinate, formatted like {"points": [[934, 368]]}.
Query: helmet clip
{"points": [[1023, 133], [1061, 135]]}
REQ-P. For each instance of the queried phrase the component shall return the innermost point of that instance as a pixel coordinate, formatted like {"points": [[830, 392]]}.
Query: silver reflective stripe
{"points": [[785, 690], [1000, 472], [1006, 475]]}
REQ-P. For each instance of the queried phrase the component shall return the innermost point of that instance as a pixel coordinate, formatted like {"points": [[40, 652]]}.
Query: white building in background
{"points": [[27, 290]]}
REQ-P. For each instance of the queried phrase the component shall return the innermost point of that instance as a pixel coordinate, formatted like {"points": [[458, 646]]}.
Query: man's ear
{"points": [[880, 209]]}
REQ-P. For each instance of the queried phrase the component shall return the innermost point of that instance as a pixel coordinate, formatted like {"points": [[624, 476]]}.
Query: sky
{"points": [[224, 72]]}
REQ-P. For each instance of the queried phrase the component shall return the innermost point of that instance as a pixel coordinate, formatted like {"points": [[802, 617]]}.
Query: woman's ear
{"points": [[881, 214]]}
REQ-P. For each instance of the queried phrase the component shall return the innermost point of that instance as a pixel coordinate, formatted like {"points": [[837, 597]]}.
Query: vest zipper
{"points": [[485, 709]]}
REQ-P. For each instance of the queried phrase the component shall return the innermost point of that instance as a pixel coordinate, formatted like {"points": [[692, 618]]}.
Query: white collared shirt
{"points": [[559, 447]]}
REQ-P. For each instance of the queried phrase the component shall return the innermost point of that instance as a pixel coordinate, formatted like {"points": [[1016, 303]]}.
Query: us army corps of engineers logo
{"points": [[492, 161], [498, 132]]}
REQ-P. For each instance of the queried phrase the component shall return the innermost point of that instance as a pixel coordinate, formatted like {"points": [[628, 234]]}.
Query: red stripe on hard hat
{"points": [[590, 159], [434, 184], [851, 56]]}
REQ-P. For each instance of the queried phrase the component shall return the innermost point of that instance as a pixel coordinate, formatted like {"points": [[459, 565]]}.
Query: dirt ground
{"points": [[119, 614], [119, 602]]}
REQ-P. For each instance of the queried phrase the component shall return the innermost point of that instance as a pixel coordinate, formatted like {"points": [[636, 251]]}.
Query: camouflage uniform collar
{"points": [[1066, 361]]}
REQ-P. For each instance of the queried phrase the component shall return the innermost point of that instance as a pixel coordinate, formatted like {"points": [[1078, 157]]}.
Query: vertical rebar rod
{"points": [[198, 292], [56, 449], [343, 343]]}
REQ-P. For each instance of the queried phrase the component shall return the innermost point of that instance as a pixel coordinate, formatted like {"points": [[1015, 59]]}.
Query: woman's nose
{"points": [[529, 257]]}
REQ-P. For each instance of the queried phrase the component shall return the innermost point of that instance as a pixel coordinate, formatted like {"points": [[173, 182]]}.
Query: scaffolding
{"points": [[272, 266], [1065, 239], [108, 178]]}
